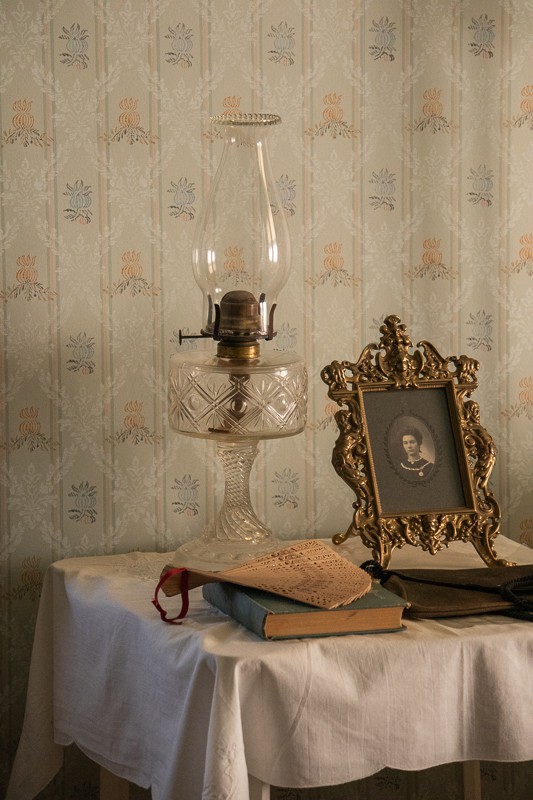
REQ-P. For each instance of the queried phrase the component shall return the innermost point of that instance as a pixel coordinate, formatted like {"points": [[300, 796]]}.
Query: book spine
{"points": [[237, 604]]}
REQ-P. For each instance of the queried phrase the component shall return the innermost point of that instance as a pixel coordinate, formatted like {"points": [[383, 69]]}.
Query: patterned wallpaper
{"points": [[405, 165]]}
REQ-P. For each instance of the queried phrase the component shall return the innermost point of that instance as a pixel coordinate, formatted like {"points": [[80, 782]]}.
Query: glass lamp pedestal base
{"points": [[237, 534], [236, 401]]}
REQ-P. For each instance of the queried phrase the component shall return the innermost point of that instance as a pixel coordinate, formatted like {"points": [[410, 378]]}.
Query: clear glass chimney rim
{"points": [[238, 128], [238, 119]]}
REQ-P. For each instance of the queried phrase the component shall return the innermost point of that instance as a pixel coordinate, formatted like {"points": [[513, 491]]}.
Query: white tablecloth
{"points": [[190, 710]]}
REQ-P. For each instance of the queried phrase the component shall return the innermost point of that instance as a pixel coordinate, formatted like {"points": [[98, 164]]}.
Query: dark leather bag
{"points": [[460, 592]]}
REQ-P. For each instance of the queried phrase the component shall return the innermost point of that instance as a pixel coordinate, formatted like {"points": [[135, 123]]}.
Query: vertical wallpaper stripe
{"points": [[407, 224], [57, 448], [306, 248], [155, 253], [504, 283], [105, 334], [360, 179], [456, 90]]}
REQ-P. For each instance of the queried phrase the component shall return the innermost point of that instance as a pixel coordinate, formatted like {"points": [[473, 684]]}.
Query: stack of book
{"points": [[305, 589]]}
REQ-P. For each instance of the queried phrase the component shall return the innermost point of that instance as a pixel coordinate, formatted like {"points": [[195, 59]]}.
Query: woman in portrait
{"points": [[413, 464]]}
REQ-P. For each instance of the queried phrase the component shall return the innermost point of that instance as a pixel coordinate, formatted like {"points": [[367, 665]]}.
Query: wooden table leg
{"points": [[471, 780], [112, 787], [258, 790]]}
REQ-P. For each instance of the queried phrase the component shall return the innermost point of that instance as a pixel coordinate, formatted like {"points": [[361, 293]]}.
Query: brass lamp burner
{"points": [[240, 319]]}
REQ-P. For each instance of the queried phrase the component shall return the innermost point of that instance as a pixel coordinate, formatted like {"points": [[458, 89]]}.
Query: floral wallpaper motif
{"points": [[332, 123], [404, 170], [24, 131], [76, 45]]}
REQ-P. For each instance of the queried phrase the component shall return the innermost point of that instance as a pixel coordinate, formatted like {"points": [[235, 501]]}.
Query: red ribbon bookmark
{"points": [[184, 591]]}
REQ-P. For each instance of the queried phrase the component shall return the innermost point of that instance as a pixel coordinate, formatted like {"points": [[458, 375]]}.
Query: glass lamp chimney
{"points": [[241, 249]]}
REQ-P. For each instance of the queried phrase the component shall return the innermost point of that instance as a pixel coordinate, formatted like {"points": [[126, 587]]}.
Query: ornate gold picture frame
{"points": [[412, 448]]}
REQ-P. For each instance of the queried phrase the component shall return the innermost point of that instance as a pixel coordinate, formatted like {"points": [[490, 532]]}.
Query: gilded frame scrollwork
{"points": [[398, 375]]}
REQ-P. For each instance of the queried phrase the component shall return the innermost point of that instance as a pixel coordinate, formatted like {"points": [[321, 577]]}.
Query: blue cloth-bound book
{"points": [[273, 617]]}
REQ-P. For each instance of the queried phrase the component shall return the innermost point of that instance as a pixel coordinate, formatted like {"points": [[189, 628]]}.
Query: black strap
{"points": [[522, 607]]}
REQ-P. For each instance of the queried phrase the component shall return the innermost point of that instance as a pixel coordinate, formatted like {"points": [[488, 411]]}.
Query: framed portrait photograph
{"points": [[416, 455], [412, 448]]}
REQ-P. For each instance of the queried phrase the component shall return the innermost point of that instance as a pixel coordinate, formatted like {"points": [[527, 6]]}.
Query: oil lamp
{"points": [[236, 395]]}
